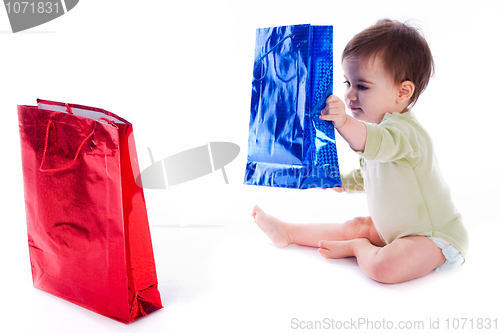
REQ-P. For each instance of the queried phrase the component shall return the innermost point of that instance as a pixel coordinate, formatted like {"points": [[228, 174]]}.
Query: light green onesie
{"points": [[406, 192]]}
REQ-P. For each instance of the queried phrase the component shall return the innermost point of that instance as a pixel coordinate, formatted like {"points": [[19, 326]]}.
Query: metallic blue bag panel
{"points": [[288, 145]]}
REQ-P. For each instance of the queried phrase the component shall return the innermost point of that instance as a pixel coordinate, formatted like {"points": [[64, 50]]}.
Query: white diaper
{"points": [[453, 257]]}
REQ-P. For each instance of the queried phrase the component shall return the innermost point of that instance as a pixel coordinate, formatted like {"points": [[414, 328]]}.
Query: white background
{"points": [[181, 72]]}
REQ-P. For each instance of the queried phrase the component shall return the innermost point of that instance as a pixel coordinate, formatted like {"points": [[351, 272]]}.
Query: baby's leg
{"points": [[403, 260], [283, 234]]}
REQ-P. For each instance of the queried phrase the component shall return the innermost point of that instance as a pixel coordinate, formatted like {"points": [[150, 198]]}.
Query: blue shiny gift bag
{"points": [[288, 145]]}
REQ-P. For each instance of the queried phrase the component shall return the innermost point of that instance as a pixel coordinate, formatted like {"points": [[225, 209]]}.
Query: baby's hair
{"points": [[403, 50]]}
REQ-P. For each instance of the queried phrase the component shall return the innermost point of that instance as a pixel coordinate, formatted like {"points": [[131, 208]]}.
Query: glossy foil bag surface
{"points": [[288, 145], [88, 231]]}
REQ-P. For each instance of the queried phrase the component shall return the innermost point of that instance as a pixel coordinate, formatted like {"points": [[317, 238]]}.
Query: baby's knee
{"points": [[358, 222], [359, 225], [383, 269]]}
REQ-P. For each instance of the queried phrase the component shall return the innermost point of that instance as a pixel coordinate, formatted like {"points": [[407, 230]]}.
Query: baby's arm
{"points": [[352, 130]]}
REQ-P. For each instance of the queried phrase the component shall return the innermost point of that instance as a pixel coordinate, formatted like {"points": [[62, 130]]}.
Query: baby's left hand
{"points": [[336, 189], [334, 111]]}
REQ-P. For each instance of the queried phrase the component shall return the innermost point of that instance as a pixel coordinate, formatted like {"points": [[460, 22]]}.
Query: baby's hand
{"points": [[336, 189], [334, 111], [339, 189]]}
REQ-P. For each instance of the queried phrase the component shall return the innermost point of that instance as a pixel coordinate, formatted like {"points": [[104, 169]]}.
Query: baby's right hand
{"points": [[334, 111]]}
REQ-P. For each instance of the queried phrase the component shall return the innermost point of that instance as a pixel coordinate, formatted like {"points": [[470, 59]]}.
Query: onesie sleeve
{"points": [[389, 141], [353, 181]]}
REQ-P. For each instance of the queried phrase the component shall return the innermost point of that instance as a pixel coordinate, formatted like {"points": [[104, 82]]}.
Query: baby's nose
{"points": [[350, 95]]}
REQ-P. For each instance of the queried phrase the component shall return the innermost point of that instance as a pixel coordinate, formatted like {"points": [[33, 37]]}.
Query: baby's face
{"points": [[370, 91]]}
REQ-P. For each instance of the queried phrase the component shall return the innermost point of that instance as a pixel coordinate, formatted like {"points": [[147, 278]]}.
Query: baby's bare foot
{"points": [[336, 249], [274, 228]]}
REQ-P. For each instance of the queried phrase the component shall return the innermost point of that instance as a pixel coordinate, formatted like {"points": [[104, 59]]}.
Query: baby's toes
{"points": [[323, 244], [324, 249], [324, 253]]}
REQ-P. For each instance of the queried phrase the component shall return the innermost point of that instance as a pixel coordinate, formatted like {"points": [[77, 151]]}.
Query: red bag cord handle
{"points": [[110, 122], [45, 150], [68, 109]]}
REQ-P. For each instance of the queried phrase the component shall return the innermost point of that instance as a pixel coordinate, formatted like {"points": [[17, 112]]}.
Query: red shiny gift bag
{"points": [[88, 232]]}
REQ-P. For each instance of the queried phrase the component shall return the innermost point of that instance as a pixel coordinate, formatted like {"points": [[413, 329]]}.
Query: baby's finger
{"points": [[328, 117], [331, 111], [332, 99], [329, 107]]}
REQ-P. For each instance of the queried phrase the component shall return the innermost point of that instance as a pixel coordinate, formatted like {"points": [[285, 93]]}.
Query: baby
{"points": [[414, 227]]}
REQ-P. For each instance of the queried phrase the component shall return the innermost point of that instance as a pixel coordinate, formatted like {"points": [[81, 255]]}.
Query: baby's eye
{"points": [[361, 87], [348, 83]]}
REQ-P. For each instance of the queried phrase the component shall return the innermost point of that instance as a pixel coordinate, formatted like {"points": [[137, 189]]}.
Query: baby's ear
{"points": [[406, 90]]}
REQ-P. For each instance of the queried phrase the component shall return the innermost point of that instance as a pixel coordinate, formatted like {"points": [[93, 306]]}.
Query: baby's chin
{"points": [[360, 115]]}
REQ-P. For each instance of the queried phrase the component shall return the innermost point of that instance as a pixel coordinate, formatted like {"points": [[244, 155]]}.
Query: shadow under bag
{"points": [[288, 145], [88, 232]]}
